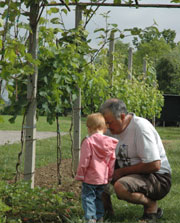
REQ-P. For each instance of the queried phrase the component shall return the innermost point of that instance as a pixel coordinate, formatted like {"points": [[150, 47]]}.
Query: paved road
{"points": [[11, 137]]}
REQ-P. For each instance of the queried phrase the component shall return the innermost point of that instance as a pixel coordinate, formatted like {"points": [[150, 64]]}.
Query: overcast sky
{"points": [[166, 18]]}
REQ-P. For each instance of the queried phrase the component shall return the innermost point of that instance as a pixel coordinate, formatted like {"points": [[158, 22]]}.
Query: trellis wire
{"points": [[18, 173]]}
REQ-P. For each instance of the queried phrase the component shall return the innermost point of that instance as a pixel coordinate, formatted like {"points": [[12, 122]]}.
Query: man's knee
{"points": [[120, 190]]}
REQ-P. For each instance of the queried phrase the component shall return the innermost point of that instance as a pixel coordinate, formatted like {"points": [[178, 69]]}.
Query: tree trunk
{"points": [[77, 109], [30, 148]]}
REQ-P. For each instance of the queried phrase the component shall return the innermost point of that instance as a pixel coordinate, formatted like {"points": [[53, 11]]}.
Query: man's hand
{"points": [[140, 168], [117, 174]]}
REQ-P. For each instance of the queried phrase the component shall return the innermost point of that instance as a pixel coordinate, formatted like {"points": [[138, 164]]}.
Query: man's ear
{"points": [[123, 115]]}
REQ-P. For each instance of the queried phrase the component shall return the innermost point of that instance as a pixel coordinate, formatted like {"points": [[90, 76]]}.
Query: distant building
{"points": [[170, 115]]}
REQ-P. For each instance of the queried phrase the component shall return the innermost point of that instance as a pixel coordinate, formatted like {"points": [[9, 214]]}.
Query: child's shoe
{"points": [[91, 221]]}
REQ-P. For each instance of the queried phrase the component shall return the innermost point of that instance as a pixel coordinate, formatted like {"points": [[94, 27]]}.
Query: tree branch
{"points": [[62, 1]]}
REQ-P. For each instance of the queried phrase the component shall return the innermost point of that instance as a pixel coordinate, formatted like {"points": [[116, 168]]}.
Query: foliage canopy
{"points": [[66, 62]]}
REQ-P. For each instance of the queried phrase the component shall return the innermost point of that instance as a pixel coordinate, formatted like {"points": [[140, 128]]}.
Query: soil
{"points": [[47, 177]]}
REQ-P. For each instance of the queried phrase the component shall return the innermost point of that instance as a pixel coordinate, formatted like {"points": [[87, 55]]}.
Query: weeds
{"points": [[21, 203]]}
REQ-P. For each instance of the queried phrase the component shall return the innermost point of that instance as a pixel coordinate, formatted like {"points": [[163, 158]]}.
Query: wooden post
{"points": [[30, 127], [111, 58], [145, 71], [130, 59], [77, 109], [1, 81]]}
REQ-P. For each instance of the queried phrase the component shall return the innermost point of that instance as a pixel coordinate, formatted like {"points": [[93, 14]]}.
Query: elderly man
{"points": [[142, 172]]}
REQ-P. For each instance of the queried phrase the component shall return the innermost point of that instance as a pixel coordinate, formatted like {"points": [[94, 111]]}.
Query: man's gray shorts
{"points": [[154, 185]]}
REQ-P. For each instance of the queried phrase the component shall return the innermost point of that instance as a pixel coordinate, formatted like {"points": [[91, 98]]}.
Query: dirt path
{"points": [[11, 137]]}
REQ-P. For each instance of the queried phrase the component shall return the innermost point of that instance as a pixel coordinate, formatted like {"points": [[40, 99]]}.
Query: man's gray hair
{"points": [[115, 106]]}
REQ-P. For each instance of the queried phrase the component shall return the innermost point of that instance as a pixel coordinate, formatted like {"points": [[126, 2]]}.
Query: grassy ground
{"points": [[42, 124], [45, 149], [46, 153]]}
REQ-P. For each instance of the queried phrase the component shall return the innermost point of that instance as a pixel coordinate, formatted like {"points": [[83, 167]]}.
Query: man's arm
{"points": [[140, 168]]}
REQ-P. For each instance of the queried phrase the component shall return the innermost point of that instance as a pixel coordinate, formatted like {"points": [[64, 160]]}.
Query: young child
{"points": [[95, 167]]}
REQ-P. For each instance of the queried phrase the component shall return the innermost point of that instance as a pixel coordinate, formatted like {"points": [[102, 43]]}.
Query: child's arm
{"points": [[84, 160]]}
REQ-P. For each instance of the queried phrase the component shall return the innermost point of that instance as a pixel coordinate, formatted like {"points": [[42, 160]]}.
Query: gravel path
{"points": [[11, 137]]}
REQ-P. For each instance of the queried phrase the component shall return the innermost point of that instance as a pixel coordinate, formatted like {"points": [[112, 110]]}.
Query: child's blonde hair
{"points": [[96, 121]]}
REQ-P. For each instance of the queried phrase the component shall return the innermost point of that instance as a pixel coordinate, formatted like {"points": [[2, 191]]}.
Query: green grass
{"points": [[45, 149], [42, 124], [124, 212], [169, 133]]}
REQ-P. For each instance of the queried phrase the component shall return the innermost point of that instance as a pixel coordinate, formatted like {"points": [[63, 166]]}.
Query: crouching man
{"points": [[142, 172]]}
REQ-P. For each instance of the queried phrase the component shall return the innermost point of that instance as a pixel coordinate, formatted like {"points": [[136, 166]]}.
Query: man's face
{"points": [[113, 124]]}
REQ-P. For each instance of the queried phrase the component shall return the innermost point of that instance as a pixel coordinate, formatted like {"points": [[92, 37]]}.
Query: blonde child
{"points": [[96, 166]]}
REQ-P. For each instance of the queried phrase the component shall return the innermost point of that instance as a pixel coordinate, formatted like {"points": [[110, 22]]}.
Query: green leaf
{"points": [[114, 25], [98, 30], [2, 4], [43, 93], [135, 31], [65, 11], [3, 207], [55, 21], [175, 1], [117, 1], [122, 36], [1, 23], [52, 10], [45, 107], [10, 55]]}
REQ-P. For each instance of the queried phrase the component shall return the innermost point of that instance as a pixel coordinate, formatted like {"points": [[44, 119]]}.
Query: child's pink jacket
{"points": [[97, 159]]}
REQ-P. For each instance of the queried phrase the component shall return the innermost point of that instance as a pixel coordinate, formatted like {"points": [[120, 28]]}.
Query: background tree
{"points": [[154, 50], [152, 33], [121, 51], [168, 72], [154, 45], [169, 36]]}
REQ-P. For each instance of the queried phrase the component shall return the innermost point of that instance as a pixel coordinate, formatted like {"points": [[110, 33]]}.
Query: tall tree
{"points": [[152, 50], [152, 33], [168, 72]]}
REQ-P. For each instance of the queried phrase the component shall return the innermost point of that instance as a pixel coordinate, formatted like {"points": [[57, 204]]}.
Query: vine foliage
{"points": [[67, 62]]}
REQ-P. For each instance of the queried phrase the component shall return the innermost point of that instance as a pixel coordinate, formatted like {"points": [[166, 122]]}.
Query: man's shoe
{"points": [[151, 217], [159, 213]]}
